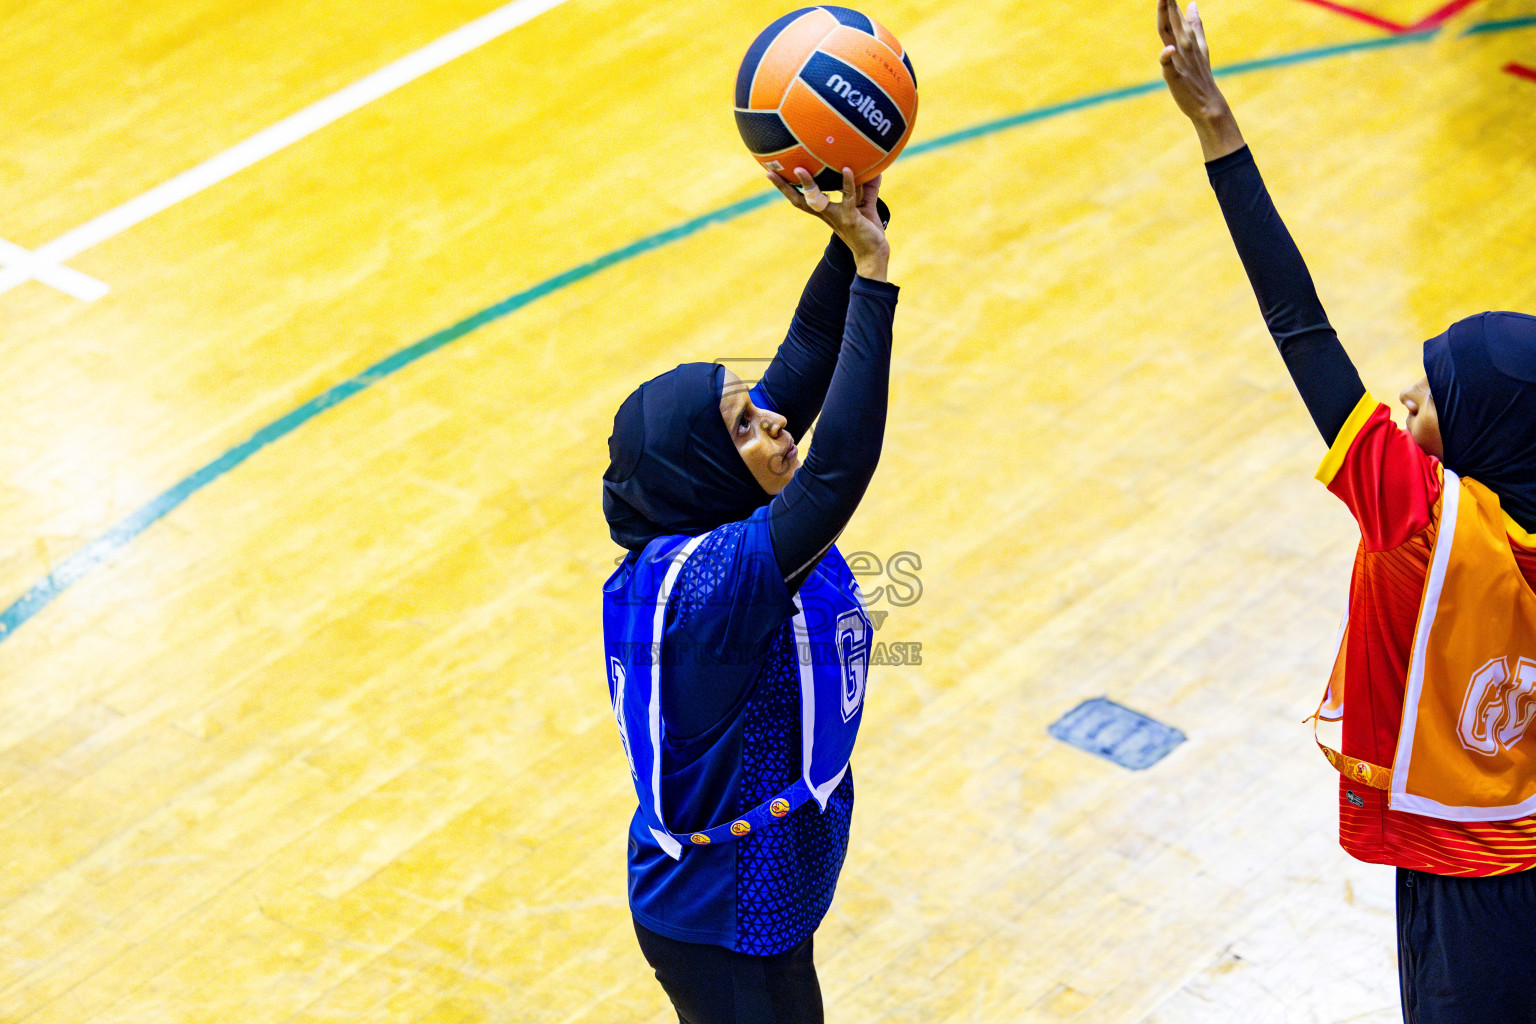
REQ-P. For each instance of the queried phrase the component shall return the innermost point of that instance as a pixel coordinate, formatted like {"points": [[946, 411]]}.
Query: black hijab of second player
{"points": [[672, 467], [1482, 374]]}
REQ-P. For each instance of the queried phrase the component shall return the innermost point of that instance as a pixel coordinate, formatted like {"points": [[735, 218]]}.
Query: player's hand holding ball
{"points": [[854, 219], [1186, 61]]}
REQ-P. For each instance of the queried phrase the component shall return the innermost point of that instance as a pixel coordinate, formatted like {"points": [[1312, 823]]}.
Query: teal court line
{"points": [[98, 551], [1500, 26]]}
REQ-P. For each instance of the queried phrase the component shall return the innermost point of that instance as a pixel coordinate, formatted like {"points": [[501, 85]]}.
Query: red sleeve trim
{"points": [[1388, 482]]}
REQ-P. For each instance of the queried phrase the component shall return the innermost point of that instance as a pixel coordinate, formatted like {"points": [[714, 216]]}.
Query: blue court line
{"points": [[98, 551]]}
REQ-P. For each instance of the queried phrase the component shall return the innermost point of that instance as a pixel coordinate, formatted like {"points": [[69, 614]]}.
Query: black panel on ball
{"points": [[851, 18], [755, 53], [764, 132]]}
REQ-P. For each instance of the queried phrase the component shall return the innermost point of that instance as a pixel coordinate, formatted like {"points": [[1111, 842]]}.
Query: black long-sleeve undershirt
{"points": [[834, 363], [1324, 375], [810, 512], [796, 381]]}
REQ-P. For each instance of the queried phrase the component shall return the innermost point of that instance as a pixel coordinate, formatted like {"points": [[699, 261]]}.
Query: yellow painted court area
{"points": [[328, 740]]}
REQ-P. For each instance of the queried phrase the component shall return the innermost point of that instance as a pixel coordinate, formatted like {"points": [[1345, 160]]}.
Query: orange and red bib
{"points": [[1466, 750]]}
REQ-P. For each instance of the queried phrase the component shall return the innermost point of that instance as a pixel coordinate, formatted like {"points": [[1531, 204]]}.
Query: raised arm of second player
{"points": [[1322, 371]]}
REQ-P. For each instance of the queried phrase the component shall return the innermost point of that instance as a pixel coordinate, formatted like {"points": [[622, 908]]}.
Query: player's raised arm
{"points": [[795, 383], [1327, 380], [817, 503]]}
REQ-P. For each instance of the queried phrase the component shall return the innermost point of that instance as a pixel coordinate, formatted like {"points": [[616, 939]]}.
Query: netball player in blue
{"points": [[735, 637]]}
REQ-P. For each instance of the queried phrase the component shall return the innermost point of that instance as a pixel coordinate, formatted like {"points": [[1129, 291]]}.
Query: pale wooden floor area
{"points": [[329, 742]]}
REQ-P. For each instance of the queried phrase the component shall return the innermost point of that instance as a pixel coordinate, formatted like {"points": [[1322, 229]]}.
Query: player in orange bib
{"points": [[1435, 681]]}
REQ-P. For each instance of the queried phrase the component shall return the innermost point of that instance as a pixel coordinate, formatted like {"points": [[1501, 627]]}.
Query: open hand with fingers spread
{"points": [[1186, 61], [855, 219]]}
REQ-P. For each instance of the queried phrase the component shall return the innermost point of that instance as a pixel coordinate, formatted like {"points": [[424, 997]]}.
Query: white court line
{"points": [[54, 275], [44, 262]]}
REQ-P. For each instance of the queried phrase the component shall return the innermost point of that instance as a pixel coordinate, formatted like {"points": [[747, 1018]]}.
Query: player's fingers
{"points": [[1175, 70], [1177, 25], [869, 200], [1164, 29], [850, 190], [1166, 57], [869, 192], [787, 191], [1171, 19], [1199, 29], [815, 199]]}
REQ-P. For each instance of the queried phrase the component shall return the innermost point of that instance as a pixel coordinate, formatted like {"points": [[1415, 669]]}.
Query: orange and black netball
{"points": [[825, 88]]}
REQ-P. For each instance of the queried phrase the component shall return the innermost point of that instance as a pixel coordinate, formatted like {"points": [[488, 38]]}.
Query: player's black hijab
{"points": [[1482, 376], [672, 467]]}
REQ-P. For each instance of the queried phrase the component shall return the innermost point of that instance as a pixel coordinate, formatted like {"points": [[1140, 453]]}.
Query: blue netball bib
{"points": [[832, 636]]}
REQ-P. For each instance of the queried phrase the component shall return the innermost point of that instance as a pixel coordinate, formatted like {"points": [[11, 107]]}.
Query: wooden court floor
{"points": [[302, 710]]}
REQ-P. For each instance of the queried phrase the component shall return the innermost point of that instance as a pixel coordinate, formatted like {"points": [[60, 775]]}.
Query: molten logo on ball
{"points": [[865, 106]]}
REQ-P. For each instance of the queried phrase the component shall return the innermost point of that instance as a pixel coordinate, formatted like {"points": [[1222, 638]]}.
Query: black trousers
{"points": [[1466, 948], [712, 985]]}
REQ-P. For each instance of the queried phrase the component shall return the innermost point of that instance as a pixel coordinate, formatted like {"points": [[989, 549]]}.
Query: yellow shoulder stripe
{"points": [[1347, 434]]}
